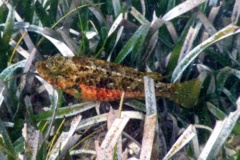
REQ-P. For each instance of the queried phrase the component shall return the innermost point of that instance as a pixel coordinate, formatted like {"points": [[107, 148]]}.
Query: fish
{"points": [[90, 79]]}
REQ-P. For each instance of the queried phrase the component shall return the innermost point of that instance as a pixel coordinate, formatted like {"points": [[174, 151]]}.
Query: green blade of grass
{"points": [[223, 75], [218, 57], [133, 43], [5, 39], [42, 14], [186, 61], [53, 10], [1, 94], [7, 72], [116, 7], [27, 10], [181, 9], [65, 111], [216, 111], [8, 28], [172, 63], [8, 146], [219, 135]]}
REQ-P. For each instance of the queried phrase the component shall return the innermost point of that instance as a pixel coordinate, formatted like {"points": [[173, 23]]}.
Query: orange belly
{"points": [[102, 94]]}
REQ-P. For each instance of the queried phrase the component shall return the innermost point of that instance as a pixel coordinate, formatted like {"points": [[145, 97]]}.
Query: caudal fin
{"points": [[185, 93]]}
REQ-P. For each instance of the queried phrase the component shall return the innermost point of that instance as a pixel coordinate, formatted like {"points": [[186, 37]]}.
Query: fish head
{"points": [[57, 70]]}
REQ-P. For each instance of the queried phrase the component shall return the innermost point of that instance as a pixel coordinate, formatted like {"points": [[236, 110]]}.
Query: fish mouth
{"points": [[42, 69], [39, 65]]}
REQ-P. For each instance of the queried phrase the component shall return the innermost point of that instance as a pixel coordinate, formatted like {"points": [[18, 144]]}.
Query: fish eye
{"points": [[54, 69]]}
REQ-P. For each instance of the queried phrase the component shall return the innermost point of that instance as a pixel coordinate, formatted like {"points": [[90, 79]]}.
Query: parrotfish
{"points": [[97, 80]]}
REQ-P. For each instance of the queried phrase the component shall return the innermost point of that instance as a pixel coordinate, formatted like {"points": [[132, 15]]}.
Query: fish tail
{"points": [[185, 93]]}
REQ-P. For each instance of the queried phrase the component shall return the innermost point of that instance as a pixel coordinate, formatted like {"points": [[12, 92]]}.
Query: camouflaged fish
{"points": [[98, 80]]}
